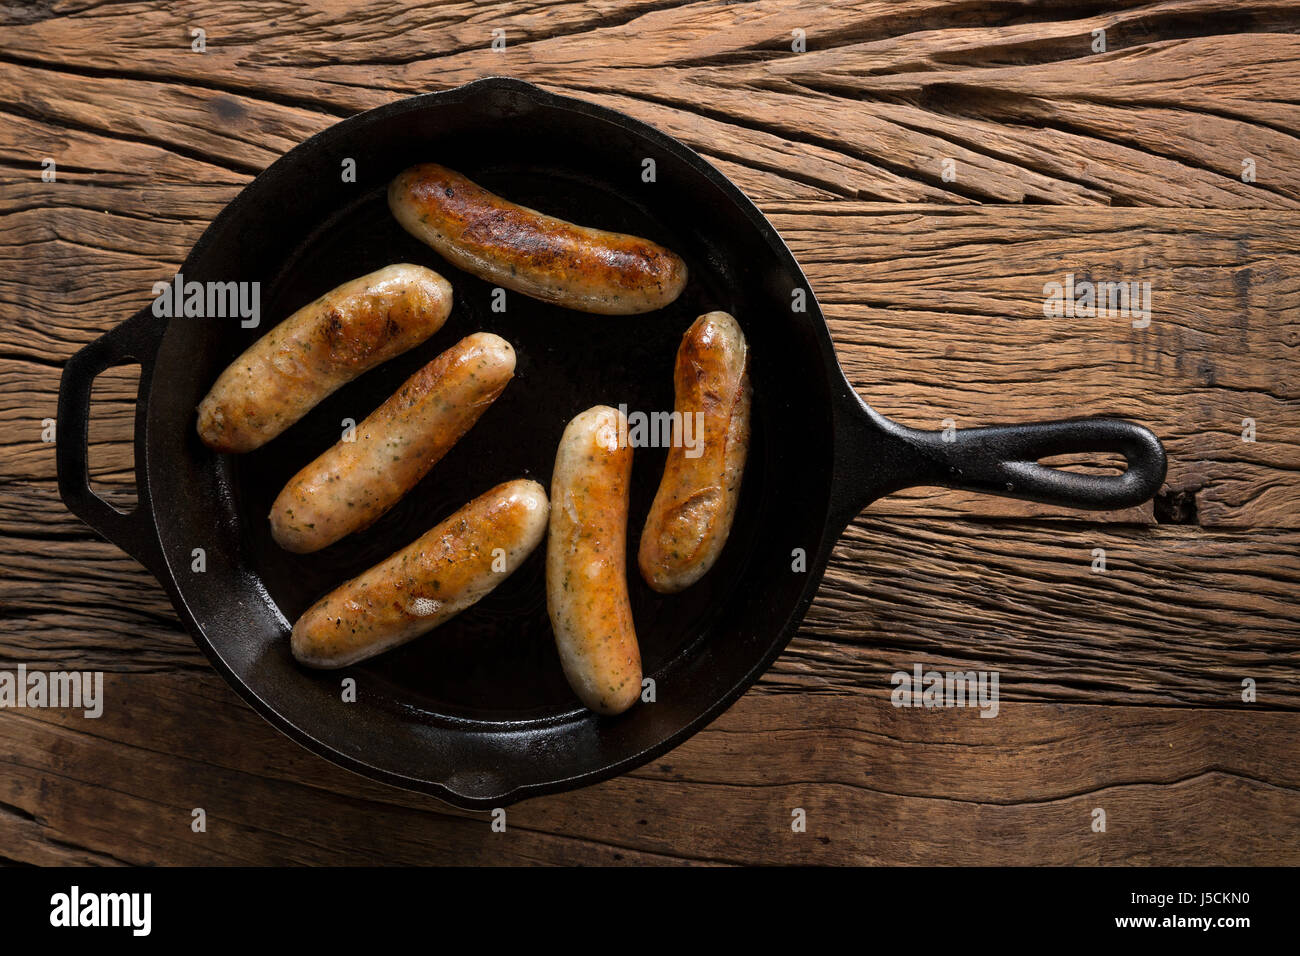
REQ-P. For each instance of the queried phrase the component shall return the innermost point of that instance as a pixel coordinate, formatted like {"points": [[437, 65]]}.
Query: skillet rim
{"points": [[838, 389]]}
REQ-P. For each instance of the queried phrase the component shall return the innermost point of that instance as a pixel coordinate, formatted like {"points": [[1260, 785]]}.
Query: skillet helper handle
{"points": [[135, 341], [1003, 460]]}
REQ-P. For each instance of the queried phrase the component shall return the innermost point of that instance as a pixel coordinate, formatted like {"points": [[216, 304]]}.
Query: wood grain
{"points": [[878, 785], [1120, 690]]}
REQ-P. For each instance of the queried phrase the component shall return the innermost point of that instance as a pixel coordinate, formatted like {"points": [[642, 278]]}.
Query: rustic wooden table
{"points": [[933, 167]]}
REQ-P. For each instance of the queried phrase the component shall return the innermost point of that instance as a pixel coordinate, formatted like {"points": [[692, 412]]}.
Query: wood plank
{"points": [[993, 164], [1181, 615], [898, 86], [878, 784], [217, 127]]}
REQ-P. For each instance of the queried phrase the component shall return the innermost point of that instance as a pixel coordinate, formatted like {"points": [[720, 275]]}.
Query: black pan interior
{"points": [[479, 709]]}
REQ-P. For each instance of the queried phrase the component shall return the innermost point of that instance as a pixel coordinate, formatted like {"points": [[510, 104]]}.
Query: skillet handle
{"points": [[1003, 460], [134, 341], [1000, 460]]}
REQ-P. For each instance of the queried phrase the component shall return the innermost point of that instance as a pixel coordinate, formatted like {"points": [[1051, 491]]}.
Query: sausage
{"points": [[586, 558], [693, 509], [590, 270], [354, 482], [319, 348], [426, 583]]}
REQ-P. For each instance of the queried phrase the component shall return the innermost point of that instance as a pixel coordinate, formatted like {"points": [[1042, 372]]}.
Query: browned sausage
{"points": [[590, 270], [354, 482], [319, 348], [586, 563], [692, 512], [426, 583]]}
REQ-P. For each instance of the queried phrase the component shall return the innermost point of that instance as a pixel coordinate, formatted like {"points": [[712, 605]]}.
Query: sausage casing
{"points": [[590, 270], [426, 583], [319, 348], [695, 505], [586, 562], [355, 482]]}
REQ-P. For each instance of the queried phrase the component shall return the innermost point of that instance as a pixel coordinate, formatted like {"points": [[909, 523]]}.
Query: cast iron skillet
{"points": [[478, 713]]}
